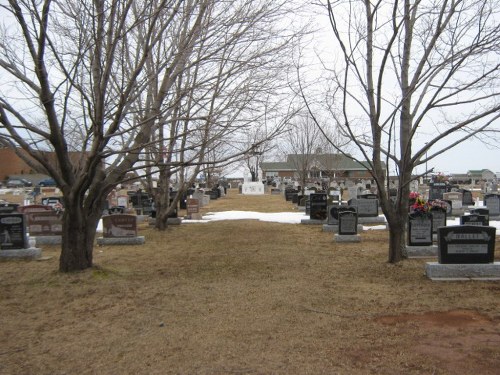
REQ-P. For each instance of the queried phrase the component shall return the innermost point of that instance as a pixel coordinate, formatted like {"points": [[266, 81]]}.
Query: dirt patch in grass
{"points": [[245, 297]]}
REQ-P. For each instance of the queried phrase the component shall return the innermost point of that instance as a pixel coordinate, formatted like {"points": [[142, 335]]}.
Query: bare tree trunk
{"points": [[79, 229]]}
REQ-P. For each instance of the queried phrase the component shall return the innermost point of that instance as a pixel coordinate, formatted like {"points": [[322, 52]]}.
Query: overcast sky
{"points": [[470, 155]]}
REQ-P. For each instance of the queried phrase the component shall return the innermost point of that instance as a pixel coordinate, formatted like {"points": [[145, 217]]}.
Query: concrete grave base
{"points": [[312, 222], [301, 208], [47, 240], [335, 228], [31, 253], [371, 220], [347, 238], [139, 240], [422, 251], [456, 272]]}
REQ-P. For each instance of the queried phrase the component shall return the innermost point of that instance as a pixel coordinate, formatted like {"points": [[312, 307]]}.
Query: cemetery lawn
{"points": [[245, 297]]}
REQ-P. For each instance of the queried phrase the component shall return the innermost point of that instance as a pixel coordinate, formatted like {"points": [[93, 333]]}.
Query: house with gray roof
{"points": [[316, 166]]}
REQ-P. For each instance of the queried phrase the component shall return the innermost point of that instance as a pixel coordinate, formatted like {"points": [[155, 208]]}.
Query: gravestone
{"points": [[302, 201], [449, 207], [365, 207], [474, 219], [419, 230], [8, 208], [289, 193], [455, 198], [319, 207], [120, 229], [119, 225], [214, 194], [12, 231], [116, 210], [352, 192], [348, 223], [334, 196], [193, 208], [44, 223], [492, 202], [308, 205], [481, 211], [335, 211], [436, 190], [467, 197], [466, 244], [122, 200], [439, 217]]}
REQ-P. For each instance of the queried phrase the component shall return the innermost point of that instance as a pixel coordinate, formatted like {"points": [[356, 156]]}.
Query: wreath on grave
{"points": [[438, 205]]}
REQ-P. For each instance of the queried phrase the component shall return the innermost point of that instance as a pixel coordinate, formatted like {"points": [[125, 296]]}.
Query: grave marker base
{"points": [[47, 240], [335, 228], [372, 220], [457, 272], [347, 238], [422, 251], [139, 240], [312, 222], [31, 253]]}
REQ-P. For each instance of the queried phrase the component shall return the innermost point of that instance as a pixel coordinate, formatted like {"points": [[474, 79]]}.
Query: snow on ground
{"points": [[287, 218], [275, 217]]}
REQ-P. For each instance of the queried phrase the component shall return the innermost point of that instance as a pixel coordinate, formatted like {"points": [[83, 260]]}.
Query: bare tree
{"points": [[73, 74], [413, 73], [303, 143], [235, 80]]}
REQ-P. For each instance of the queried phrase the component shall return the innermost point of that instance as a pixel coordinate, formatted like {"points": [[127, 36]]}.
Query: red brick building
{"points": [[11, 164]]}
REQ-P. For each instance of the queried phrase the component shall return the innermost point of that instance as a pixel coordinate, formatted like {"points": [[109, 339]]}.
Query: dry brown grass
{"points": [[244, 297]]}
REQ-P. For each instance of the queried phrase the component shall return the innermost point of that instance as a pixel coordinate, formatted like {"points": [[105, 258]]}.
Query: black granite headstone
{"points": [[466, 197], [319, 207], [438, 219], [12, 231], [8, 208], [466, 244], [335, 211], [481, 211], [419, 230], [436, 190], [116, 210], [474, 219], [348, 223]]}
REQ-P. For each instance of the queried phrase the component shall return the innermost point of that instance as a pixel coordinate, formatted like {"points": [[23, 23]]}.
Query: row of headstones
{"points": [[463, 197], [421, 228], [18, 223], [317, 204], [334, 195]]}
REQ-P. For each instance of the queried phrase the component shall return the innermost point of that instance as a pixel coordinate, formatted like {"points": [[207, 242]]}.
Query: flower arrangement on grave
{"points": [[438, 204], [414, 195], [420, 207], [413, 198], [440, 177]]}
